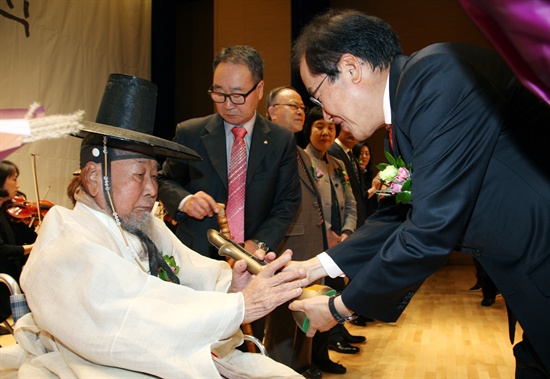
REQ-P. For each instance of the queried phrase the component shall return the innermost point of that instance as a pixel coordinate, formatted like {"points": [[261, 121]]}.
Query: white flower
{"points": [[389, 173]]}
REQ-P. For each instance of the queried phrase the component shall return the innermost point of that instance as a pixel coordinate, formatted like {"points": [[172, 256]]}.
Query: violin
{"points": [[21, 209]]}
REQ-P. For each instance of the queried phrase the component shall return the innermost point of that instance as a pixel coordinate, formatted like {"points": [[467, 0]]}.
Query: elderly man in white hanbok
{"points": [[98, 310]]}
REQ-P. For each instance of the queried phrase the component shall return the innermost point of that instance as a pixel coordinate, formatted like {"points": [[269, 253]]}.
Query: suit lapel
{"points": [[259, 147], [213, 140], [307, 167]]}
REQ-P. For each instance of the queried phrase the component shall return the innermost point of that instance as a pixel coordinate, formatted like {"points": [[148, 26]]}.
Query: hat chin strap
{"points": [[111, 204]]}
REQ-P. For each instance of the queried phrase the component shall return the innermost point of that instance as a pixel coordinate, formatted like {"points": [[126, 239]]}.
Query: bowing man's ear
{"points": [[351, 67]]}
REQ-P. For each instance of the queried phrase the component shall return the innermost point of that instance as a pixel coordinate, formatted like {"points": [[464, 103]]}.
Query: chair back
{"points": [[18, 302]]}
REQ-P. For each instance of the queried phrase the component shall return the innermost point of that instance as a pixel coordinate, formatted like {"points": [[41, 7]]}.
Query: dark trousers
{"points": [[528, 364], [319, 347], [488, 287], [285, 342]]}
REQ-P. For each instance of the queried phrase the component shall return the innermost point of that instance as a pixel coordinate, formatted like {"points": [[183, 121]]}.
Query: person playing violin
{"points": [[16, 238]]}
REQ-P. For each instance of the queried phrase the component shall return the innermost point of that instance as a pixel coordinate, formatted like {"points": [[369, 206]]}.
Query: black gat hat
{"points": [[125, 122]]}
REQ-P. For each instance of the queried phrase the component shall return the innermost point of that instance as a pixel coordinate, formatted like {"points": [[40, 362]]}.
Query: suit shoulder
{"points": [[277, 129], [336, 161], [335, 150], [198, 122]]}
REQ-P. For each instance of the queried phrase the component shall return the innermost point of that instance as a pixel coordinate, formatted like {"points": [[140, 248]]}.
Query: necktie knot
{"points": [[238, 132]]}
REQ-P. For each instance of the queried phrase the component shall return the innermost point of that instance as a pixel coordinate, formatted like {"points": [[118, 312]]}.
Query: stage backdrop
{"points": [[59, 53]]}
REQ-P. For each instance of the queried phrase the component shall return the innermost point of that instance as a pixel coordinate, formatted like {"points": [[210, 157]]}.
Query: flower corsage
{"points": [[171, 262], [317, 174], [396, 176], [344, 178]]}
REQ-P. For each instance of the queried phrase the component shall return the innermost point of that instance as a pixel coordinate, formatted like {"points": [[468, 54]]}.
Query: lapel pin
{"points": [[265, 142]]}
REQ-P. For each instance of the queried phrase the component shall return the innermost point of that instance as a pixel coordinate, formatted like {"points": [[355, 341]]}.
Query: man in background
{"points": [[249, 164], [342, 149], [268, 193]]}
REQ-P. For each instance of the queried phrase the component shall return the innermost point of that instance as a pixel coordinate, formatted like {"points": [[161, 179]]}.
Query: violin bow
{"points": [[36, 191]]}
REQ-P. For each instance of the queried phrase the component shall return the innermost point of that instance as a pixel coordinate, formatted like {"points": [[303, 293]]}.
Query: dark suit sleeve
{"points": [[174, 173], [445, 124]]}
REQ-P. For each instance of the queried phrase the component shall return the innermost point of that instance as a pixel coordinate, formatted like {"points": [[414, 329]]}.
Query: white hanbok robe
{"points": [[99, 315]]}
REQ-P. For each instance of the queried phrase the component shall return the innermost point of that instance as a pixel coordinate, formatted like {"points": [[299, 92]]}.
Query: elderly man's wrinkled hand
{"points": [[272, 287]]}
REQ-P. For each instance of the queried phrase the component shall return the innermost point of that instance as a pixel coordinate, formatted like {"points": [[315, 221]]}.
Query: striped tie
{"points": [[353, 164], [237, 186]]}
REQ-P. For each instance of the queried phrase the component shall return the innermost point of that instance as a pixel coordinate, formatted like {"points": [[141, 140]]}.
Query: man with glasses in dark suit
{"points": [[254, 173], [190, 191]]}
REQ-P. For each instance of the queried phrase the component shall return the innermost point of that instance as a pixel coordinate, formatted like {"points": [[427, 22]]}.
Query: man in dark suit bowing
{"points": [[254, 173], [476, 140]]}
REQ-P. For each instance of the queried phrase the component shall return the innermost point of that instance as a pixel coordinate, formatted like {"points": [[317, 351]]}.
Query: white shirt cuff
{"points": [[181, 207], [330, 267]]}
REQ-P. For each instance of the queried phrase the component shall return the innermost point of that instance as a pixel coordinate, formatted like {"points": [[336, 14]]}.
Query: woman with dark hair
{"points": [[331, 178], [362, 152], [16, 238]]}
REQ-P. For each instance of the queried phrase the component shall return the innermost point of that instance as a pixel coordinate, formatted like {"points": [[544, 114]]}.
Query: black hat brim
{"points": [[161, 147]]}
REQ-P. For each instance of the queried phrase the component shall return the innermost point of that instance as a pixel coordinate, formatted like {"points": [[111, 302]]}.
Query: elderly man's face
{"points": [[134, 188], [354, 100], [288, 110], [236, 78]]}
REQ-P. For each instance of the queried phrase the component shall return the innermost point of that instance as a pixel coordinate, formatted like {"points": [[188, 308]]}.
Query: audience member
{"points": [[362, 153], [331, 178], [342, 149], [104, 300], [256, 176], [485, 284], [471, 132], [190, 191], [16, 238], [284, 341]]}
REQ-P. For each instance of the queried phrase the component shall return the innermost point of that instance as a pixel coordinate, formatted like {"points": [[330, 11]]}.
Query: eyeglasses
{"points": [[236, 98], [294, 107], [313, 99]]}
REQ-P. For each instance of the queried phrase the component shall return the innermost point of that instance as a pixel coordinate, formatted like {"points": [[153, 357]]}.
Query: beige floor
{"points": [[7, 339], [443, 333]]}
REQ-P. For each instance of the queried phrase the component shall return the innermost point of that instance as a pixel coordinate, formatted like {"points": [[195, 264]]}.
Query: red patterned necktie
{"points": [[237, 186], [390, 134]]}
